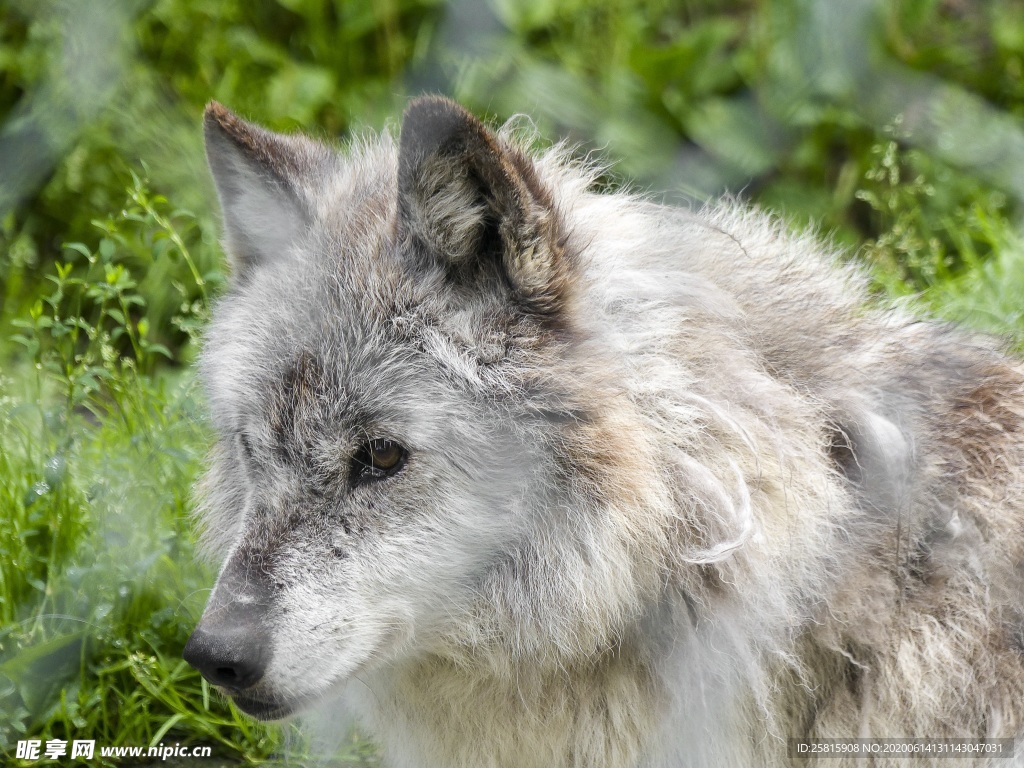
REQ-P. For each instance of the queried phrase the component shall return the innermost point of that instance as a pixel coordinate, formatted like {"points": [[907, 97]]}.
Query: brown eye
{"points": [[377, 459]]}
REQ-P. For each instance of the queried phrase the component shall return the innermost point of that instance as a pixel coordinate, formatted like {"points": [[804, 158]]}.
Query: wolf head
{"points": [[409, 458]]}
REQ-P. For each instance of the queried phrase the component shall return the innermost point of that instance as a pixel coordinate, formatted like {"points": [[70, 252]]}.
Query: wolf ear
{"points": [[467, 197], [260, 177]]}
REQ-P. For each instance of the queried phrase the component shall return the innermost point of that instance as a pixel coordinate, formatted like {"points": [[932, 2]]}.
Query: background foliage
{"points": [[896, 128]]}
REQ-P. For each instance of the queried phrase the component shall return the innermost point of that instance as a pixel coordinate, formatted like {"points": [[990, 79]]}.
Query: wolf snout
{"points": [[232, 657]]}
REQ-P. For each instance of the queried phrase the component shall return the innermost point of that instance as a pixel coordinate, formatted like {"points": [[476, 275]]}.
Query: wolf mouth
{"points": [[264, 708]]}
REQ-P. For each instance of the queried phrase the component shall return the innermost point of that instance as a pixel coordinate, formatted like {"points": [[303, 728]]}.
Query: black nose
{"points": [[233, 658]]}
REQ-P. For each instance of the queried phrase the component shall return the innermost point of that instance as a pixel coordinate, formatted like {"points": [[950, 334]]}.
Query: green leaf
{"points": [[107, 248], [158, 349], [78, 248]]}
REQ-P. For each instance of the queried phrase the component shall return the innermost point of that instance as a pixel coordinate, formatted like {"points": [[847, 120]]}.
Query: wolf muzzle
{"points": [[229, 657], [230, 646]]}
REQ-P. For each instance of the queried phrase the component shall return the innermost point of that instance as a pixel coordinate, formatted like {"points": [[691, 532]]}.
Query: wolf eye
{"points": [[377, 460]]}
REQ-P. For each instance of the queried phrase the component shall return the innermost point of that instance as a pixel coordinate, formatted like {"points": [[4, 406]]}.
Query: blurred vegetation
{"points": [[897, 128]]}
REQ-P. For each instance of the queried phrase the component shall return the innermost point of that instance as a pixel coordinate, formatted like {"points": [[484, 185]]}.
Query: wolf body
{"points": [[537, 476]]}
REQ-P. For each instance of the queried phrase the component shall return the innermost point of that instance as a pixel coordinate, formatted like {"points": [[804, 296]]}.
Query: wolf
{"points": [[532, 475]]}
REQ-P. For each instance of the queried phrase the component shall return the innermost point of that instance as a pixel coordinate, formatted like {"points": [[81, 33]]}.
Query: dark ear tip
{"points": [[432, 105], [219, 121], [431, 121], [217, 115]]}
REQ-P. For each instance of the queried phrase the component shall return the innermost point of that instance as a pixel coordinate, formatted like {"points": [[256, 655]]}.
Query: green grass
{"points": [[98, 450], [109, 261], [100, 443]]}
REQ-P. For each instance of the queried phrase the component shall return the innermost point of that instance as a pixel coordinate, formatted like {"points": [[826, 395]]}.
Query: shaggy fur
{"points": [[675, 491]]}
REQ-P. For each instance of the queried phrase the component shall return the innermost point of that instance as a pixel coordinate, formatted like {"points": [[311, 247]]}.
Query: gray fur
{"points": [[676, 490]]}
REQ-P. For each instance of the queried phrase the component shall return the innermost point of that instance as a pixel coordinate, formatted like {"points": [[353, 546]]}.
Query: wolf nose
{"points": [[230, 658]]}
